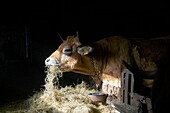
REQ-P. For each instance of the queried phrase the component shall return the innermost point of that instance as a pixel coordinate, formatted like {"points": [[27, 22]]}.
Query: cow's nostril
{"points": [[47, 60]]}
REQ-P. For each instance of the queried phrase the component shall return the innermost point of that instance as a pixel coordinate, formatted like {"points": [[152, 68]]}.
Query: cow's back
{"points": [[148, 52], [116, 48]]}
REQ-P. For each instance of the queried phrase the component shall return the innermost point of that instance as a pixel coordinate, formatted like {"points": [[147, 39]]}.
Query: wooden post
{"points": [[127, 92]]}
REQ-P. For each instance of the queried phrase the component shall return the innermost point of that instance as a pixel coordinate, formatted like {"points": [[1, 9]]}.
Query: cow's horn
{"points": [[60, 37], [77, 35]]}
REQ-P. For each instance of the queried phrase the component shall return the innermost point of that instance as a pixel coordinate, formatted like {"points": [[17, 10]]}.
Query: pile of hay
{"points": [[69, 99]]}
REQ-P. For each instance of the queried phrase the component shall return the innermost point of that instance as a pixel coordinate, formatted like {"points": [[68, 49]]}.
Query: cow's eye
{"points": [[67, 50]]}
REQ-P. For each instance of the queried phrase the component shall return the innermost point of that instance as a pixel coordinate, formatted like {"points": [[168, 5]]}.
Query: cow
{"points": [[104, 60]]}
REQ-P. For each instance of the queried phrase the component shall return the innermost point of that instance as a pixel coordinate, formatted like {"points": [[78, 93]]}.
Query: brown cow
{"points": [[103, 59]]}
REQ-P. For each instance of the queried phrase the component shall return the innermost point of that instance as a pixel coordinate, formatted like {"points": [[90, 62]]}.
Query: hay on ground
{"points": [[69, 99]]}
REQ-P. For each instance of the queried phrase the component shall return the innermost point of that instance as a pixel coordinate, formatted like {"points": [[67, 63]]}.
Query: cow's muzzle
{"points": [[52, 62]]}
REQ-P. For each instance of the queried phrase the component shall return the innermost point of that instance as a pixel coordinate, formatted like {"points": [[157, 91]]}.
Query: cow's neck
{"points": [[85, 66]]}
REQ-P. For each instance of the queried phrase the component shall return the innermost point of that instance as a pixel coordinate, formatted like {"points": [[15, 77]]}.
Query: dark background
{"points": [[22, 64]]}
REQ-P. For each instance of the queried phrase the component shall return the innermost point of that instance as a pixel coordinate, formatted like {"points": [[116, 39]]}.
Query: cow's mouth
{"points": [[57, 66]]}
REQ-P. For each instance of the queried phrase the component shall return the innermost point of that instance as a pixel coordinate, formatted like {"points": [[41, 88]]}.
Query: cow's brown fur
{"points": [[107, 55], [104, 63], [105, 59], [114, 49], [148, 52]]}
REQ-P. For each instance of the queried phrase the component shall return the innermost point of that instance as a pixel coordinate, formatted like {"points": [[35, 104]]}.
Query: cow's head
{"points": [[68, 54]]}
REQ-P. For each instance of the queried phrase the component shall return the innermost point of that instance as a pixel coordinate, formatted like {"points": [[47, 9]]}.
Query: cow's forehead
{"points": [[71, 40]]}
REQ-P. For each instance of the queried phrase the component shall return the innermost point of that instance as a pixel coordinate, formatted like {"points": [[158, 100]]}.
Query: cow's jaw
{"points": [[84, 66]]}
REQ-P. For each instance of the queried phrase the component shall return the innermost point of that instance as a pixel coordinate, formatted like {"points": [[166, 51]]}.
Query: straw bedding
{"points": [[55, 99]]}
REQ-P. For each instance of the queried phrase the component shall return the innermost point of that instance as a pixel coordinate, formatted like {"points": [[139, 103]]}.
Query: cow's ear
{"points": [[84, 50]]}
